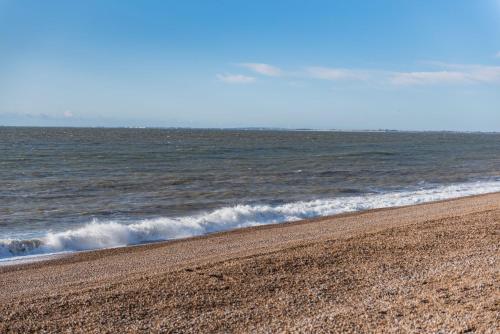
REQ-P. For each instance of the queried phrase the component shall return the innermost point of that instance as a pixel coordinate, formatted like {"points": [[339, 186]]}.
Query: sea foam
{"points": [[108, 234]]}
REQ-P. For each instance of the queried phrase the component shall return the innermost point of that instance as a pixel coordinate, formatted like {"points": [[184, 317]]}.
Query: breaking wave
{"points": [[108, 234]]}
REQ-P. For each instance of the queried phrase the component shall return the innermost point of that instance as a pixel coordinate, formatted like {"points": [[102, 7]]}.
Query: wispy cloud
{"points": [[440, 74], [498, 54], [235, 78], [326, 73], [264, 69], [486, 74], [449, 74], [424, 78]]}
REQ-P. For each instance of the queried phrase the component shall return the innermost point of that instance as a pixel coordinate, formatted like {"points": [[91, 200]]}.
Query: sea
{"points": [[66, 190]]}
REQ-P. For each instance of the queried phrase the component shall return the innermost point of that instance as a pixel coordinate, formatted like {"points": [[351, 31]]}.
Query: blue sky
{"points": [[408, 65]]}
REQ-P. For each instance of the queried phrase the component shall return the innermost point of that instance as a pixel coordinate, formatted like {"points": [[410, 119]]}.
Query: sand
{"points": [[426, 268]]}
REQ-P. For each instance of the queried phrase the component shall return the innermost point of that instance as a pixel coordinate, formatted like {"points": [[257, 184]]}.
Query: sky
{"points": [[346, 64]]}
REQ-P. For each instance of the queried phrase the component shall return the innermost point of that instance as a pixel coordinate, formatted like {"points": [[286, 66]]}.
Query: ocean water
{"points": [[70, 189]]}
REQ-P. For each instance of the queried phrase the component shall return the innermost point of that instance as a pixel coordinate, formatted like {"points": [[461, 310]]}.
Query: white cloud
{"points": [[450, 74], [326, 73], [235, 78], [263, 69], [485, 73], [440, 74], [422, 78]]}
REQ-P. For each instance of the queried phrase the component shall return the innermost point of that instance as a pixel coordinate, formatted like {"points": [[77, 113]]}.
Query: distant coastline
{"points": [[254, 129]]}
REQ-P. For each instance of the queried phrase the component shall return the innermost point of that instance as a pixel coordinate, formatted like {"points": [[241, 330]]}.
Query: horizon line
{"points": [[256, 128]]}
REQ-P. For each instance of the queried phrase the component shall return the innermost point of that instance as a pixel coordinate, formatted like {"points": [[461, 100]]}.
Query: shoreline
{"points": [[432, 266], [60, 256]]}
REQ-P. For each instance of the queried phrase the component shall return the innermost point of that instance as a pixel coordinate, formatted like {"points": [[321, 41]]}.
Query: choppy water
{"points": [[67, 189]]}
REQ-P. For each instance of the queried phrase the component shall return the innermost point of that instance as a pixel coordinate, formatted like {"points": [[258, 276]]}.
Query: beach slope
{"points": [[425, 268]]}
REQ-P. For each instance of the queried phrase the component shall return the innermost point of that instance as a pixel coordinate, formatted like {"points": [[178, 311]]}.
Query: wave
{"points": [[107, 234]]}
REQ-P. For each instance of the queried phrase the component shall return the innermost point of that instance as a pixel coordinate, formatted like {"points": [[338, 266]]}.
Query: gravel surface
{"points": [[426, 268]]}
